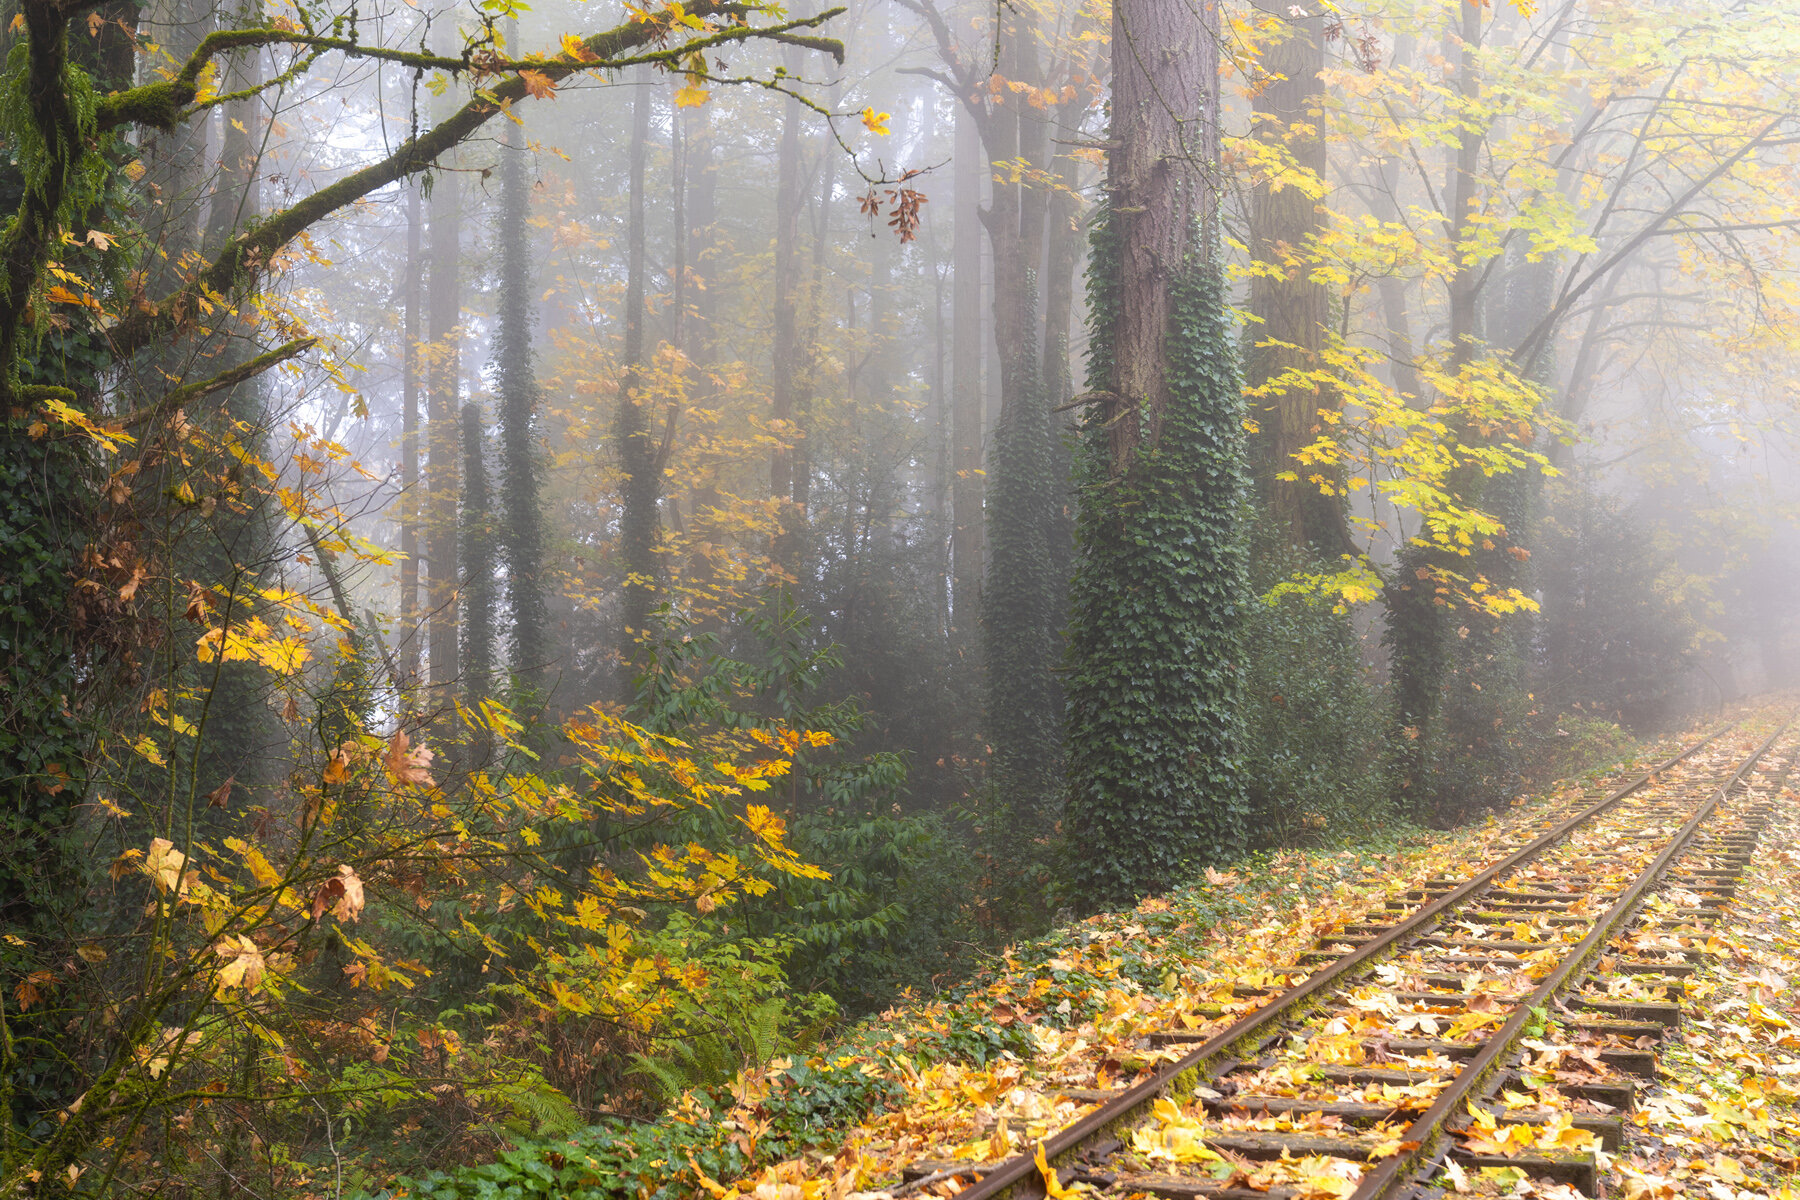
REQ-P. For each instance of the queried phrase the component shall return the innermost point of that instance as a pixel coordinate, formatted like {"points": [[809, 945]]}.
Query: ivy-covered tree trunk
{"points": [[477, 557], [1020, 630], [1154, 782], [237, 550], [1020, 623], [521, 531], [639, 525]]}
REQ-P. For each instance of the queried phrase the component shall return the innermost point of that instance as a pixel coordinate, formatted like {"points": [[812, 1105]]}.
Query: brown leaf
{"points": [[221, 795], [196, 605], [405, 764], [343, 895], [350, 906], [538, 85], [329, 894]]}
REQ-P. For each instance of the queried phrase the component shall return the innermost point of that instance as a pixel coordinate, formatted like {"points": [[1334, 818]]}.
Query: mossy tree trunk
{"points": [[520, 530], [1154, 781]]}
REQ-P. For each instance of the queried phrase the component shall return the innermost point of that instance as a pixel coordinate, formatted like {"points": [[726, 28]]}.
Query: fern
{"points": [[547, 1110], [747, 1038]]}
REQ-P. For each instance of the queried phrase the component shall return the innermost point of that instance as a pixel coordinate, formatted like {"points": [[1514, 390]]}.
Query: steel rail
{"points": [[1022, 1172], [1428, 1130]]}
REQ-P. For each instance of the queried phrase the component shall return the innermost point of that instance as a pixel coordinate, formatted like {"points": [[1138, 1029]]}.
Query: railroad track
{"points": [[1501, 1019]]}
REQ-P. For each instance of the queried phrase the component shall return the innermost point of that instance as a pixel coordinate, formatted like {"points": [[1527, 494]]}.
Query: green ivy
{"points": [[1155, 783], [1019, 637]]}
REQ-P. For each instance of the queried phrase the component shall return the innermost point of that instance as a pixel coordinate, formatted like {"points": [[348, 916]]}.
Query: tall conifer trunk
{"points": [[1019, 626], [638, 519], [477, 557], [443, 377], [521, 530], [410, 499], [1292, 308], [967, 538], [1154, 780], [784, 382], [240, 737]]}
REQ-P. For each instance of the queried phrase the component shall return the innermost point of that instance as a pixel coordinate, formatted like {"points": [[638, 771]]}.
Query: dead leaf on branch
{"points": [[342, 895]]}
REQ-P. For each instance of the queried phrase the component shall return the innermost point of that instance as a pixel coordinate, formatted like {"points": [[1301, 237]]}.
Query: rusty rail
{"points": [[1020, 1177]]}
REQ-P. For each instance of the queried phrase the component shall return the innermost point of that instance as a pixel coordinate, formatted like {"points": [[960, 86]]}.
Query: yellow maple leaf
{"points": [[163, 865], [876, 122], [244, 964], [691, 95]]}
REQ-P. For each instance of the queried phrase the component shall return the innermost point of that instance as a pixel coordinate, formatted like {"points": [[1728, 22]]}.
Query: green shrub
{"points": [[894, 914], [1315, 725]]}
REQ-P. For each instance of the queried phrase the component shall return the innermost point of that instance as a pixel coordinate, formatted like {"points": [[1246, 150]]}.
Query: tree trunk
{"points": [[1449, 684], [477, 600], [785, 352], [1292, 308], [521, 532], [443, 319], [1153, 688], [968, 532], [1064, 244], [808, 349], [409, 453], [702, 209], [639, 523]]}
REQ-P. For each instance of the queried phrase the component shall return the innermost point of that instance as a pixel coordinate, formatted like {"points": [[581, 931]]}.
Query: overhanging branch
{"points": [[249, 253]]}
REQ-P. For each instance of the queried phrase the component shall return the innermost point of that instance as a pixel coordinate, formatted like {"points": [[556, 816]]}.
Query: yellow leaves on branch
{"points": [[876, 122], [244, 966], [108, 439], [253, 641], [164, 864], [573, 47]]}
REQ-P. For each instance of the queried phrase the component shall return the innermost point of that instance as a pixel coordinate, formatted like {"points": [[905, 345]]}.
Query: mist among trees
{"points": [[557, 553]]}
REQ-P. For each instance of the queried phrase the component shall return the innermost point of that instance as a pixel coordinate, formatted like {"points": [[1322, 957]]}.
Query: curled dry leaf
{"points": [[342, 895], [406, 763]]}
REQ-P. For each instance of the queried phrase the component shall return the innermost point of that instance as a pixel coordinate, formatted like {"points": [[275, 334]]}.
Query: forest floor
{"points": [[1067, 1016], [1036, 1039]]}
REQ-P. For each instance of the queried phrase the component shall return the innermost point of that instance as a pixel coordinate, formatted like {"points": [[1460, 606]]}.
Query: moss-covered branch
{"points": [[164, 104], [250, 369], [248, 254]]}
